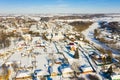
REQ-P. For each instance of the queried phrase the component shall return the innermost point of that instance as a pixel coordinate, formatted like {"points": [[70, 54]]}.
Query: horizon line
{"points": [[51, 13]]}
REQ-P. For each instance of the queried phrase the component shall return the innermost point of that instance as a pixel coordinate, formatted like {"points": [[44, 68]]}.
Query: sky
{"points": [[59, 6]]}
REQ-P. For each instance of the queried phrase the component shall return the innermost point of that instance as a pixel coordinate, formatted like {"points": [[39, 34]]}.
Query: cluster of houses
{"points": [[110, 30], [30, 61], [109, 67], [108, 34], [58, 57]]}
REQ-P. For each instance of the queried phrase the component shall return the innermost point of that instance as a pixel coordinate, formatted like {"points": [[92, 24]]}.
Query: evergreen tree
{"points": [[76, 55]]}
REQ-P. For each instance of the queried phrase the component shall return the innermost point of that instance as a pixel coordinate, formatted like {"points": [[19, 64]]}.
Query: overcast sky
{"points": [[59, 6]]}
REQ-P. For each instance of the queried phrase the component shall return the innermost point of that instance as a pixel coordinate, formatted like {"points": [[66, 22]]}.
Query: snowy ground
{"points": [[31, 52], [89, 36]]}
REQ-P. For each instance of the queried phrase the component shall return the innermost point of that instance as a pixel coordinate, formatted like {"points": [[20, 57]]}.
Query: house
{"points": [[55, 36], [11, 30], [3, 72], [6, 72], [67, 72], [33, 28], [116, 37], [23, 75], [71, 37], [27, 37], [116, 72], [24, 30], [72, 46]]}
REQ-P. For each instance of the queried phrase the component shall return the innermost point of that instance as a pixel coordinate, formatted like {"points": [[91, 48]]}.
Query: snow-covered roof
{"points": [[42, 73], [66, 70], [23, 74]]}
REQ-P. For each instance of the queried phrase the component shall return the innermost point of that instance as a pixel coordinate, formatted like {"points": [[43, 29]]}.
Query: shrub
{"points": [[93, 77]]}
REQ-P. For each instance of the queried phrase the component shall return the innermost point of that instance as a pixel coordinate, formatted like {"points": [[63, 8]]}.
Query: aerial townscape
{"points": [[60, 47], [59, 39]]}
